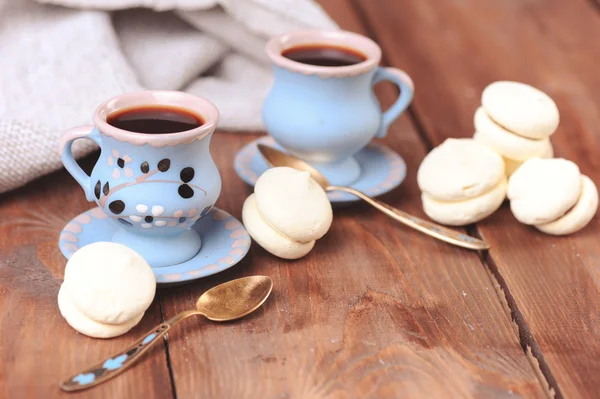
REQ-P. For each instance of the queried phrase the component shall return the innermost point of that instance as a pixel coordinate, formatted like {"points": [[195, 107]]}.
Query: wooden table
{"points": [[375, 310]]}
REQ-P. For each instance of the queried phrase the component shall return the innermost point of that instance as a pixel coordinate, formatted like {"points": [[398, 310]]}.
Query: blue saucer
{"points": [[381, 169], [225, 242]]}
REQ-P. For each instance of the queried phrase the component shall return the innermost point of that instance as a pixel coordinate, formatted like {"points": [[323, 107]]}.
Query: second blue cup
{"points": [[322, 107]]}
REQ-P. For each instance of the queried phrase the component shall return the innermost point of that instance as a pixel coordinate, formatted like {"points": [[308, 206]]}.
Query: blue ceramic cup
{"points": [[153, 186], [326, 114]]}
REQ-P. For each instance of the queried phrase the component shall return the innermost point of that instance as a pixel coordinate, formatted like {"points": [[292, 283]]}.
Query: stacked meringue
{"points": [[462, 182], [460, 179], [287, 213], [107, 289], [516, 120], [552, 195]]}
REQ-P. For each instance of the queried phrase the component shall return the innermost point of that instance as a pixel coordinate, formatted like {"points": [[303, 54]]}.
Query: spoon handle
{"points": [[431, 229], [120, 361]]}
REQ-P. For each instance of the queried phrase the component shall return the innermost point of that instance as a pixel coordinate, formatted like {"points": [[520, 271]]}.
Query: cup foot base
{"points": [[342, 173], [161, 251]]}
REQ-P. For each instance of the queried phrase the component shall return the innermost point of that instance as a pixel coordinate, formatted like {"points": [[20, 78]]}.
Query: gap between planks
{"points": [[530, 346], [528, 343], [166, 346]]}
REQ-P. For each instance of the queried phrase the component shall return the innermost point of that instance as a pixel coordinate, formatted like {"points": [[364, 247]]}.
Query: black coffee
{"points": [[155, 119], [320, 55]]}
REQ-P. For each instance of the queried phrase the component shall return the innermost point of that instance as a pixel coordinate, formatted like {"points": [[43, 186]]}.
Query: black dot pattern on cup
{"points": [[121, 163], [148, 219], [144, 167], [182, 219], [97, 188], [125, 222], [116, 207], [106, 188], [164, 164], [185, 191], [187, 174]]}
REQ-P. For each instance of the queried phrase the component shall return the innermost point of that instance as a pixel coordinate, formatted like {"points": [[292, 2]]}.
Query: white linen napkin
{"points": [[59, 60]]}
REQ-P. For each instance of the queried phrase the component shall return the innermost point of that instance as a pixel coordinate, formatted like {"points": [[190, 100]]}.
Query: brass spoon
{"points": [[225, 302], [275, 157]]}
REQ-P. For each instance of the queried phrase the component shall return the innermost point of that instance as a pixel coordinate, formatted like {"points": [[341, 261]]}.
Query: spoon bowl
{"points": [[275, 158], [234, 299]]}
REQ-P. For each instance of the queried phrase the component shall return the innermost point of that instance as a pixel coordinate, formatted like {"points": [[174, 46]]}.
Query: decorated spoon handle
{"points": [[431, 229], [117, 363]]}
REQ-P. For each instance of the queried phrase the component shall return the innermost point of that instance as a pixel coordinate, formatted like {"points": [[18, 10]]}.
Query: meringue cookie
{"points": [[521, 109], [459, 169], [87, 326], [267, 237], [577, 217], [461, 213], [293, 204], [504, 142], [109, 283], [542, 190]]}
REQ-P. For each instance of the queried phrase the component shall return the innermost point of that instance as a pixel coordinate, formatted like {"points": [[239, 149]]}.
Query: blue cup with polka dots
{"points": [[154, 187]]}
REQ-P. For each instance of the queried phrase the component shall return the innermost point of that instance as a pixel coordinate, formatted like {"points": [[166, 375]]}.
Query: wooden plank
{"points": [[37, 347], [375, 311], [453, 50]]}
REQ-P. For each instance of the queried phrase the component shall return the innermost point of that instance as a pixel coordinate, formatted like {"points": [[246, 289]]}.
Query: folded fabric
{"points": [[58, 61], [148, 38], [56, 65]]}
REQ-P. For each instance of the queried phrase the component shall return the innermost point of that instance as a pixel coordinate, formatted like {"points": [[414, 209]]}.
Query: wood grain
{"points": [[374, 311], [37, 347], [454, 49]]}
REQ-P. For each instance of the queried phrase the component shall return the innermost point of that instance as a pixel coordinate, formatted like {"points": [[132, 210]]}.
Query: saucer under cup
{"points": [[225, 242], [381, 169]]}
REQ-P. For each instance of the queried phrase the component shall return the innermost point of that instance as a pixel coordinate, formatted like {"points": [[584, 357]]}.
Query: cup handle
{"points": [[66, 154], [407, 90]]}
